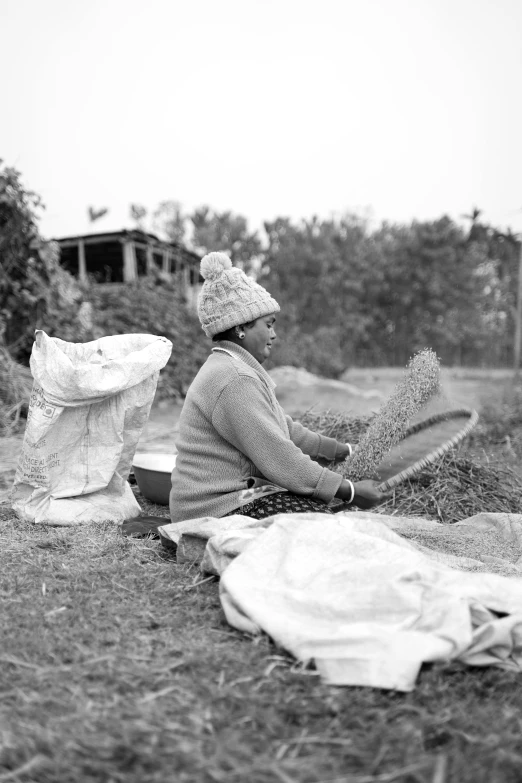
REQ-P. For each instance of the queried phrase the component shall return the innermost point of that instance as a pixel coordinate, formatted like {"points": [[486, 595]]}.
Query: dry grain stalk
{"points": [[420, 383]]}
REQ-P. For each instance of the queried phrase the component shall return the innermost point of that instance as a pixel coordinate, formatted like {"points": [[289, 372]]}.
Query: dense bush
{"points": [[154, 305], [35, 292], [18, 230]]}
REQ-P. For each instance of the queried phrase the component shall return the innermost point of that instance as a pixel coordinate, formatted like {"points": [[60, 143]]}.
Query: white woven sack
{"points": [[88, 406]]}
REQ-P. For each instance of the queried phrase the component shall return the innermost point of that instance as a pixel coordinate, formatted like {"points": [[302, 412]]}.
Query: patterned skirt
{"points": [[280, 503]]}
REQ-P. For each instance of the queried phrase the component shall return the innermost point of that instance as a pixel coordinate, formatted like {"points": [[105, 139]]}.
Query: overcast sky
{"points": [[399, 109]]}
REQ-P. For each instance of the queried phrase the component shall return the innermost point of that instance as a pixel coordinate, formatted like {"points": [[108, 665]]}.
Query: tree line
{"points": [[350, 294], [353, 295]]}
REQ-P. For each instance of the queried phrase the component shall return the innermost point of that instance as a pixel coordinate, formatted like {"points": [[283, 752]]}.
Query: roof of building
{"points": [[135, 235]]}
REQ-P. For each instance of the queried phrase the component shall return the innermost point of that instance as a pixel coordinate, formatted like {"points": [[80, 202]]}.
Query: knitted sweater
{"points": [[233, 434]]}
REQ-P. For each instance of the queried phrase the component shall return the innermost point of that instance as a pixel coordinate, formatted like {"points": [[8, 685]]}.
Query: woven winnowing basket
{"points": [[423, 444]]}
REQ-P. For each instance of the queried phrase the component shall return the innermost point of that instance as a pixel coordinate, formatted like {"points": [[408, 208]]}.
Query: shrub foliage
{"points": [[37, 293], [153, 305]]}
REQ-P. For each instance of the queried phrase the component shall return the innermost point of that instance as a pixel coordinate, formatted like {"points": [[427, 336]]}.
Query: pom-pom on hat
{"points": [[228, 297]]}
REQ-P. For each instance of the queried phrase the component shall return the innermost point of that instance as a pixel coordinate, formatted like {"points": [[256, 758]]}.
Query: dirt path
{"points": [[469, 388], [159, 434]]}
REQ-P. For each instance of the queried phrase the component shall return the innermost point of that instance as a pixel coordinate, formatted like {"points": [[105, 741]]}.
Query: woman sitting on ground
{"points": [[238, 453]]}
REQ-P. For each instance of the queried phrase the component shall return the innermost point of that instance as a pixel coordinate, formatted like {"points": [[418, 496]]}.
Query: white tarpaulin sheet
{"points": [[366, 604]]}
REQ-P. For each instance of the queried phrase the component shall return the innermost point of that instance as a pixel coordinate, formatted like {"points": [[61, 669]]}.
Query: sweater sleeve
{"points": [[245, 418], [311, 442]]}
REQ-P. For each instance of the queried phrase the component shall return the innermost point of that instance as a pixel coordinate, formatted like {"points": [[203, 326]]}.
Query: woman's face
{"points": [[259, 337]]}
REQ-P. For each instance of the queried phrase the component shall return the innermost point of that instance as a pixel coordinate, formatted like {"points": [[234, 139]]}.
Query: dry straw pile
{"points": [[341, 426], [420, 383], [477, 550], [454, 488], [15, 389]]}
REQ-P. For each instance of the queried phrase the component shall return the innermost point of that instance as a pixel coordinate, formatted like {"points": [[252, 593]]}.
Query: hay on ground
{"points": [[476, 550], [453, 488], [341, 426], [16, 383]]}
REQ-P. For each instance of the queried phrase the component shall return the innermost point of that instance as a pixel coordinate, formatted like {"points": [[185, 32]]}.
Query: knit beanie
{"points": [[228, 297]]}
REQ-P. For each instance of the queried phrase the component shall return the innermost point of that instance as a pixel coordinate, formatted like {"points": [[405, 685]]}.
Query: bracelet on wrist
{"points": [[352, 493]]}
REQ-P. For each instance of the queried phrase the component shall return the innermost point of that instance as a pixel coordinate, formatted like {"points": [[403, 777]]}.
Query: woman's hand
{"points": [[367, 494], [343, 452]]}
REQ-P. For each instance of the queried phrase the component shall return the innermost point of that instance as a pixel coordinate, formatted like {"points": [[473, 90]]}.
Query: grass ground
{"points": [[116, 664]]}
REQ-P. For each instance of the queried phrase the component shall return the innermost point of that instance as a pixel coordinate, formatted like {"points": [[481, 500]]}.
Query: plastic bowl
{"points": [[152, 472]]}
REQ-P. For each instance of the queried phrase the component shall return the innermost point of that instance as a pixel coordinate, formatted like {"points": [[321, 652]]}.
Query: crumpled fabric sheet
{"points": [[366, 604]]}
